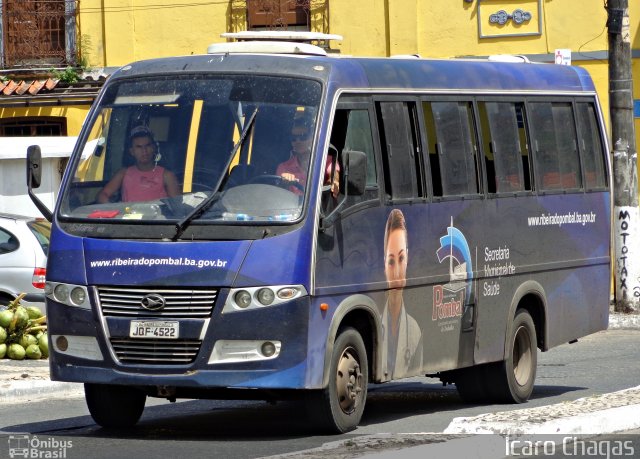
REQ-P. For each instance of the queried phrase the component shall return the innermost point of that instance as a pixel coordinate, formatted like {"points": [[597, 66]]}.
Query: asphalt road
{"points": [[601, 363]]}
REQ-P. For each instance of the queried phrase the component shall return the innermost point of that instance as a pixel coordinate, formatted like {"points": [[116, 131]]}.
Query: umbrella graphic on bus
{"points": [[454, 247]]}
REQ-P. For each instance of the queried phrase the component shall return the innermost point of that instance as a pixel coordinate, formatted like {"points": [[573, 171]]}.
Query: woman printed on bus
{"points": [[295, 168], [145, 180], [402, 337]]}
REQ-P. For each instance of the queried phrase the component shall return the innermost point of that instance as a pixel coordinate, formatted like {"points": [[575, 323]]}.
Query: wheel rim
{"points": [[349, 380], [522, 356]]}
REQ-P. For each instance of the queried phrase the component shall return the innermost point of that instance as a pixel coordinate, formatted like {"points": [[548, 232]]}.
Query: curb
{"points": [[618, 321], [18, 392], [612, 412]]}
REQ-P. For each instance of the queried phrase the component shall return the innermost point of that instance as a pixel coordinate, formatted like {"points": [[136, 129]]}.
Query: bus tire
{"points": [[512, 380], [338, 408], [113, 406]]}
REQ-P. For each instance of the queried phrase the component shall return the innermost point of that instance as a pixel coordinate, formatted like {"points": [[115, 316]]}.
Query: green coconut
{"points": [[16, 352], [6, 317], [3, 350], [34, 312], [43, 344], [33, 352], [21, 317], [27, 339], [3, 335]]}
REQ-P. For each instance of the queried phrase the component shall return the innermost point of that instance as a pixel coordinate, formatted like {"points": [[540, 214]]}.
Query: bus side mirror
{"points": [[355, 172], [34, 177], [34, 166]]}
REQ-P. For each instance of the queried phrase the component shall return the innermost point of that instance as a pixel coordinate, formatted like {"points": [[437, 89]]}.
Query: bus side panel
{"points": [[558, 249], [465, 261], [421, 314]]}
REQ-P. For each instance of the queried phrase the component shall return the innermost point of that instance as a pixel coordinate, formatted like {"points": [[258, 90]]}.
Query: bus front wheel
{"points": [[512, 379], [114, 406], [339, 407]]}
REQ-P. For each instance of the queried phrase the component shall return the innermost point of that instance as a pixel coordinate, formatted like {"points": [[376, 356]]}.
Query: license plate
{"points": [[153, 329]]}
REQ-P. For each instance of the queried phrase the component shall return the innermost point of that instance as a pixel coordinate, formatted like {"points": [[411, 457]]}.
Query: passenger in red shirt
{"points": [[295, 168], [144, 181]]}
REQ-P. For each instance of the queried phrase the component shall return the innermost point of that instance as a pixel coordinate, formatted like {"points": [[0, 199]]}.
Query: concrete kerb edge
{"points": [[608, 420], [624, 321], [611, 412], [20, 391]]}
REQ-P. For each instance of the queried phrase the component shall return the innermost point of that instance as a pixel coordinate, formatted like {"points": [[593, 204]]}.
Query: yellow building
{"points": [[105, 35]]}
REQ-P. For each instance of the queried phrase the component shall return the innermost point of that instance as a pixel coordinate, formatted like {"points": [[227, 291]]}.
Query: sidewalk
{"points": [[24, 380]]}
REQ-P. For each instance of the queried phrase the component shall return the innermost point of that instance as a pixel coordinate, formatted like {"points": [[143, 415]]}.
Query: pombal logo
{"points": [[449, 299]]}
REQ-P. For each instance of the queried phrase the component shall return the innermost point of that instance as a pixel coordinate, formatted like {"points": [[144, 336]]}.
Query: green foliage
{"points": [[84, 49], [68, 75]]}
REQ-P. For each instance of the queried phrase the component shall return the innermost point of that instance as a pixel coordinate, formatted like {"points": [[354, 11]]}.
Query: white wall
{"points": [[13, 172], [13, 186]]}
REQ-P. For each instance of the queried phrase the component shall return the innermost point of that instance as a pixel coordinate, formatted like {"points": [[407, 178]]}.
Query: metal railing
{"points": [[38, 33]]}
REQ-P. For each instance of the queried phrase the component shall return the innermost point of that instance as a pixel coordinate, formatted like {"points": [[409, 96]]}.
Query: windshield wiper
{"points": [[201, 208]]}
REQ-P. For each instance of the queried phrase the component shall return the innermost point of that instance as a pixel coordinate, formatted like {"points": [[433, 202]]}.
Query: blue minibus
{"points": [[272, 222]]}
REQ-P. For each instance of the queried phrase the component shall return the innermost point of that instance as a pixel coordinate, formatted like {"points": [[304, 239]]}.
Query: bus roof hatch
{"points": [[273, 42]]}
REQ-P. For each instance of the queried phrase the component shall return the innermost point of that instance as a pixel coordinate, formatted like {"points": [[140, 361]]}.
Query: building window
{"points": [[38, 126], [37, 33], [278, 14]]}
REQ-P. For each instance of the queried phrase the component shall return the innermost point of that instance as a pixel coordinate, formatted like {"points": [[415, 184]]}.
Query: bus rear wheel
{"points": [[512, 380], [339, 407], [113, 406]]}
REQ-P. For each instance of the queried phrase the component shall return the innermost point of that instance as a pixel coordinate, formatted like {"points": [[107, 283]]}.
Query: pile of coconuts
{"points": [[23, 332]]}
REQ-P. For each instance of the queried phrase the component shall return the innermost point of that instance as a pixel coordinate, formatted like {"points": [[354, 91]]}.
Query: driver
{"points": [[295, 168], [145, 180]]}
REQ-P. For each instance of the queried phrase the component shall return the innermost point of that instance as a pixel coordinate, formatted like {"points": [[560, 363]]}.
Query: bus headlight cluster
{"points": [[71, 295], [258, 297]]}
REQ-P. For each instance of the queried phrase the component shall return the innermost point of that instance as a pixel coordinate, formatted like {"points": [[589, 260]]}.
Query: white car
{"points": [[24, 246]]}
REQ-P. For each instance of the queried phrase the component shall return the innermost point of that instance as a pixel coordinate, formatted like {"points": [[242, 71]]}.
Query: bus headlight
{"points": [[242, 299], [247, 298], [71, 295], [266, 296], [78, 295], [61, 293]]}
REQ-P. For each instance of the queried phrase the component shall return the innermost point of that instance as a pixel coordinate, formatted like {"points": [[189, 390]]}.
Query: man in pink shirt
{"points": [[144, 181], [295, 168]]}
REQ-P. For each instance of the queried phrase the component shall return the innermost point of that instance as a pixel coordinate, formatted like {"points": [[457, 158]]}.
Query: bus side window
{"points": [[555, 146], [352, 131], [591, 146], [399, 143], [359, 138], [432, 149], [503, 146], [456, 147]]}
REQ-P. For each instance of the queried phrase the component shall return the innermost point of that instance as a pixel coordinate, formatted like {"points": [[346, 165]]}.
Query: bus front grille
{"points": [[177, 303], [155, 352]]}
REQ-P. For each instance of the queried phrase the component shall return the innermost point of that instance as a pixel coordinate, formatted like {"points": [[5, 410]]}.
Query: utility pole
{"points": [[626, 216]]}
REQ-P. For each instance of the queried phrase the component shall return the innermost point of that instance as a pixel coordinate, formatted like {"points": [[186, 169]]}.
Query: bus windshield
{"points": [[158, 148]]}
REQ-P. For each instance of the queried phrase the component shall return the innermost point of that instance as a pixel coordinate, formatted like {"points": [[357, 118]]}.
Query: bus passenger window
{"points": [[398, 138], [555, 146], [504, 146], [359, 138], [456, 147], [352, 131], [432, 149], [591, 146]]}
